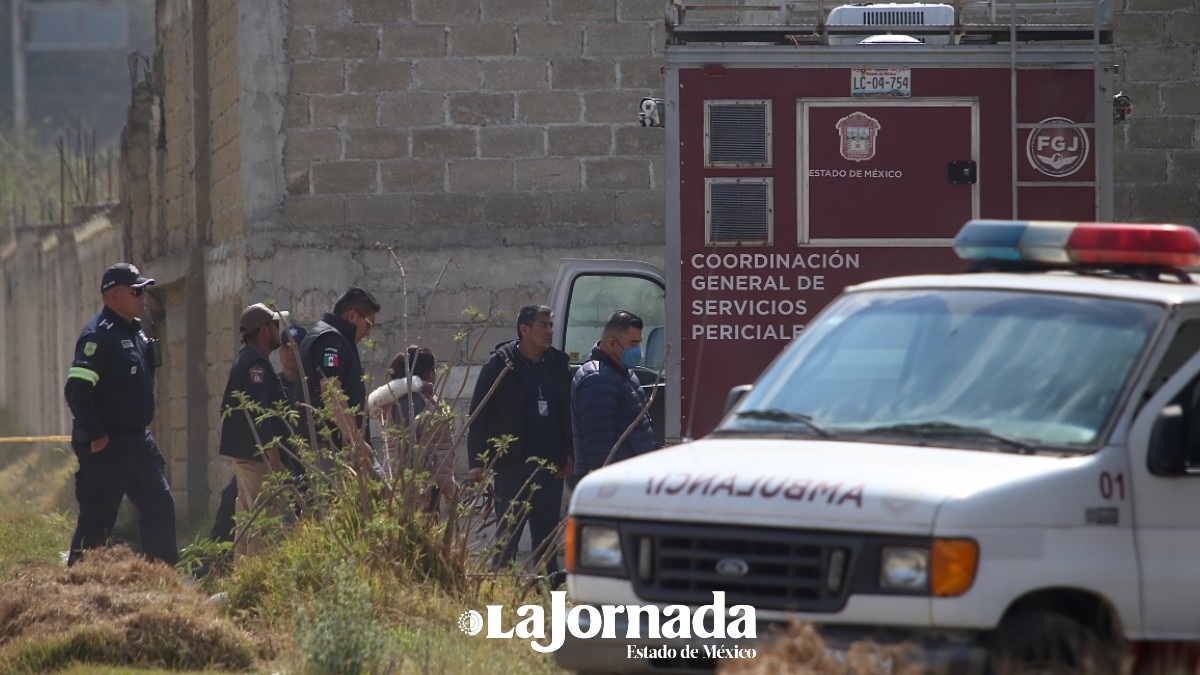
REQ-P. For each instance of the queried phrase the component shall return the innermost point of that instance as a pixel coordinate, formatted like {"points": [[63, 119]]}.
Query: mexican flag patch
{"points": [[331, 359]]}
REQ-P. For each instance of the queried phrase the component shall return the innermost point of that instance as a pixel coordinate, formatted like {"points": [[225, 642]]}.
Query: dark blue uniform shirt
{"points": [[328, 351], [110, 386], [252, 375]]}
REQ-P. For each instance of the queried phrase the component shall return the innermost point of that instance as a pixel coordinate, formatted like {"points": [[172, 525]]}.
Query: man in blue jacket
{"points": [[606, 398]]}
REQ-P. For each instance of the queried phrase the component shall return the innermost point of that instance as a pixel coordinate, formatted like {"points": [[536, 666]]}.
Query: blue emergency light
{"points": [[1098, 245]]}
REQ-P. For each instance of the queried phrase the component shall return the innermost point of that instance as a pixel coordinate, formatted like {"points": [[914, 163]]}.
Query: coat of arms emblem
{"points": [[858, 131]]}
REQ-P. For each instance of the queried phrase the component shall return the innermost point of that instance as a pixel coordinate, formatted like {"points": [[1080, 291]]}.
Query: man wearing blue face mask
{"points": [[606, 399]]}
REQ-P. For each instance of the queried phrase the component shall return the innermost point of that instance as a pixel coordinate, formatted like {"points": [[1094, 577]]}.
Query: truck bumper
{"points": [[959, 652], [937, 651]]}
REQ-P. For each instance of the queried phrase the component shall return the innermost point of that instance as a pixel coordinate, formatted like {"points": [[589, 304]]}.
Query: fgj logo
{"points": [[1056, 149], [590, 621]]}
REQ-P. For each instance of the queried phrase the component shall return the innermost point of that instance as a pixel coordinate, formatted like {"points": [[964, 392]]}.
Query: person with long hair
{"points": [[415, 426]]}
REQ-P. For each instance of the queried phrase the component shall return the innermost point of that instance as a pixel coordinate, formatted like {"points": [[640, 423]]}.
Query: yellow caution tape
{"points": [[35, 439]]}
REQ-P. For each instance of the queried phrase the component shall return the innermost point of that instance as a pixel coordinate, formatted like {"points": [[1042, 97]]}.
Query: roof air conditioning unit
{"points": [[890, 14]]}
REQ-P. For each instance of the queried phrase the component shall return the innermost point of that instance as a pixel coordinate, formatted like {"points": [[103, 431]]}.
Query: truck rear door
{"points": [[586, 292], [887, 172]]}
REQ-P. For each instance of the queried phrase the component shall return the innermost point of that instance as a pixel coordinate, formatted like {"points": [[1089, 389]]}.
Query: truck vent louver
{"points": [[894, 18], [739, 211], [737, 134]]}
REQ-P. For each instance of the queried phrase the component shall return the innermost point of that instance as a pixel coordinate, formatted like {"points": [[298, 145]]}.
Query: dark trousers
{"points": [[223, 526], [542, 512], [131, 465]]}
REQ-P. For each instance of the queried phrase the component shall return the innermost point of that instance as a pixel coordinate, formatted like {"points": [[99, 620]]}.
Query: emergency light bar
{"points": [[1079, 244]]}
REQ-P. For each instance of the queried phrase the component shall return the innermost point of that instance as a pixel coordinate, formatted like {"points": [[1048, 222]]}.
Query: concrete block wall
{"points": [[224, 136], [1157, 153], [485, 137], [173, 227], [51, 287], [183, 160], [161, 161], [170, 420]]}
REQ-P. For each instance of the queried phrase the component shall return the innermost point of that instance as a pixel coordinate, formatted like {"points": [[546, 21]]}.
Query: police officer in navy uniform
{"points": [[110, 391], [243, 431], [330, 350], [223, 524]]}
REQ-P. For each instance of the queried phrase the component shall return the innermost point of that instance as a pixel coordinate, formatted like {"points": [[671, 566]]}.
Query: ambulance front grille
{"points": [[802, 571]]}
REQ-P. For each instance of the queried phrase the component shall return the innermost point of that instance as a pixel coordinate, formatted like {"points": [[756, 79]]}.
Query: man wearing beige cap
{"points": [[254, 447]]}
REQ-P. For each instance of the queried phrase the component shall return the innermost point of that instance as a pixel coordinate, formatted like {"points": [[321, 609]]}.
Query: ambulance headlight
{"points": [[600, 547], [904, 568]]}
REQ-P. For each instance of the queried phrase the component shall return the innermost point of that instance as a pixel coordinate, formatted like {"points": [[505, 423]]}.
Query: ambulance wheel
{"points": [[1044, 643]]}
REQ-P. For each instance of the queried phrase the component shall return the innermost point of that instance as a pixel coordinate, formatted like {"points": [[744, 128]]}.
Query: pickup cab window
{"points": [[965, 368]]}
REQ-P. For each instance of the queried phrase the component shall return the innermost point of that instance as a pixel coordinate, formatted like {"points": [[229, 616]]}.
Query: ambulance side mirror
{"points": [[736, 395], [1167, 455]]}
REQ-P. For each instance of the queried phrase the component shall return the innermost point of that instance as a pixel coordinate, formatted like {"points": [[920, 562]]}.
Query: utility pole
{"points": [[18, 61]]}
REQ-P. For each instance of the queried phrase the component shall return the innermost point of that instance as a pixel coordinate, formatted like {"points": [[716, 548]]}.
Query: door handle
{"points": [[962, 172]]}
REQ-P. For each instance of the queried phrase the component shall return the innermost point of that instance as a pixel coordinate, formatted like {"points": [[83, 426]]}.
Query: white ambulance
{"points": [[1000, 466]]}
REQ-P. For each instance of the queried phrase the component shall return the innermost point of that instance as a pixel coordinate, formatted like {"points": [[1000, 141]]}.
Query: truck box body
{"points": [[797, 166]]}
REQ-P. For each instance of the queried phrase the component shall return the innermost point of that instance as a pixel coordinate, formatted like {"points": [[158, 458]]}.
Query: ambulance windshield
{"points": [[966, 368]]}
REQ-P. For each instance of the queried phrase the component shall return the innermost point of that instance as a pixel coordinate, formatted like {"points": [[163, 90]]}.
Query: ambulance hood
{"points": [[818, 484]]}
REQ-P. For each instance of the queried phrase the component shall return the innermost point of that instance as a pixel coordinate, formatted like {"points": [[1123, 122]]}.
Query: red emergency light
{"points": [[1098, 245]]}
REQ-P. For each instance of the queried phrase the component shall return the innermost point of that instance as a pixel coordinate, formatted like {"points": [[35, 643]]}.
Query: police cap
{"points": [[258, 315], [123, 274]]}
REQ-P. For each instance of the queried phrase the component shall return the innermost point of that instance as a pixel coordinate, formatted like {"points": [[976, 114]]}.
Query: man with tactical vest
{"points": [[330, 352]]}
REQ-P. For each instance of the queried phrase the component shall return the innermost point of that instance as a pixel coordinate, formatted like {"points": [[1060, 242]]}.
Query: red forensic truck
{"points": [[811, 149]]}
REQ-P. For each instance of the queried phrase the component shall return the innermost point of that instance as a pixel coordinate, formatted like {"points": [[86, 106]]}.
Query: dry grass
{"points": [[113, 608], [35, 476], [799, 650], [115, 613]]}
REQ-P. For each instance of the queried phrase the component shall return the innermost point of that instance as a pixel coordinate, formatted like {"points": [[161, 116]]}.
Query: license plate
{"points": [[881, 82]]}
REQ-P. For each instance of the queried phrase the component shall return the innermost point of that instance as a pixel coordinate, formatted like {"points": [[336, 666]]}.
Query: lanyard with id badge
{"points": [[542, 404]]}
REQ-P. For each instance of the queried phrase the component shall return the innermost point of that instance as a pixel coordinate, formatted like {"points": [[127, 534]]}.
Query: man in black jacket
{"points": [[330, 352], [110, 391], [254, 448], [532, 404]]}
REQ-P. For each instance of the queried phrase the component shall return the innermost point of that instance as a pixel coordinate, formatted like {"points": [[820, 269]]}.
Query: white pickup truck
{"points": [[998, 467]]}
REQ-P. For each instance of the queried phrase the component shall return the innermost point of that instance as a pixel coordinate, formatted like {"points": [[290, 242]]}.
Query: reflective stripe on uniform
{"points": [[84, 374]]}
